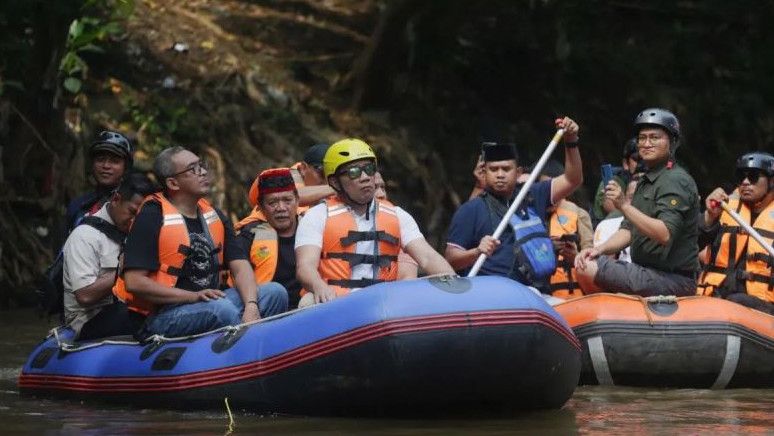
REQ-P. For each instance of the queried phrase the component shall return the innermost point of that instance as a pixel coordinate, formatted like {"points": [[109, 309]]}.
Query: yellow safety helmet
{"points": [[345, 151]]}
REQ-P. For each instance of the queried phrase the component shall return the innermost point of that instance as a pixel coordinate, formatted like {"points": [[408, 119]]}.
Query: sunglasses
{"points": [[197, 168], [355, 172], [751, 175]]}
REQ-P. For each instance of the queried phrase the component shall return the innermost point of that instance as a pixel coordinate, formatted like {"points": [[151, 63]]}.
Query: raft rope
{"points": [[67, 345]]}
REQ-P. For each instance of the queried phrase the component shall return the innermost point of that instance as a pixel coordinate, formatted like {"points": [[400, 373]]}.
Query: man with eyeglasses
{"points": [[660, 221], [111, 158], [268, 234], [353, 240], [739, 269], [174, 255]]}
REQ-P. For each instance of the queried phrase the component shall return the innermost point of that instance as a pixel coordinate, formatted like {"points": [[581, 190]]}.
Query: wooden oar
{"points": [[520, 198], [748, 228]]}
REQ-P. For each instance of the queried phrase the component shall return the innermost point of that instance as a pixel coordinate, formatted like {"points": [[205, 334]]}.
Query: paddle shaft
{"points": [[520, 198], [748, 228]]}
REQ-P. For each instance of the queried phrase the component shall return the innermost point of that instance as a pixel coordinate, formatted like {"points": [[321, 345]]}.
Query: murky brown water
{"points": [[591, 410]]}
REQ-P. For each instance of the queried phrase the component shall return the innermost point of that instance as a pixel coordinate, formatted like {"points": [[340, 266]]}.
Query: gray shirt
{"points": [[88, 253]]}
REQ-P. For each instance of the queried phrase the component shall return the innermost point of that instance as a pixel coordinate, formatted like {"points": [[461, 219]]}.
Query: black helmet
{"points": [[115, 143], [757, 159], [658, 117], [630, 147]]}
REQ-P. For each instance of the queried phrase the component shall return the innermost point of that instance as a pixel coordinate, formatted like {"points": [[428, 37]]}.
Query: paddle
{"points": [[748, 228], [520, 198]]}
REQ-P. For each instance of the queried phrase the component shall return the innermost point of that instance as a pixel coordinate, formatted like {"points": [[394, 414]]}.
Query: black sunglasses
{"points": [[752, 175], [355, 172]]}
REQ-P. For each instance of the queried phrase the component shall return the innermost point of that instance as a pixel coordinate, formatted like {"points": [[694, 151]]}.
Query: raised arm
{"points": [[565, 184]]}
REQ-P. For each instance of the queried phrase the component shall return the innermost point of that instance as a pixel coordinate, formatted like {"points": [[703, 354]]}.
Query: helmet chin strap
{"points": [[674, 144], [342, 192]]}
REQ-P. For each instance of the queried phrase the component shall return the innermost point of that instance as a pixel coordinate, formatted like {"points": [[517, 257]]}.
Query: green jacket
{"points": [[671, 196]]}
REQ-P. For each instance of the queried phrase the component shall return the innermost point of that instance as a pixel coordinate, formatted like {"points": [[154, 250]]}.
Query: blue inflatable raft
{"points": [[441, 346]]}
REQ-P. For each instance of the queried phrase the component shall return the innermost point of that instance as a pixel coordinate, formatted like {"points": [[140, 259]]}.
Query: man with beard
{"points": [[472, 226], [660, 221], [268, 234], [175, 252], [739, 269], [353, 240]]}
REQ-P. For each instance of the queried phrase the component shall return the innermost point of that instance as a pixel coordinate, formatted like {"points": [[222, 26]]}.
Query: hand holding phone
{"points": [[607, 174]]}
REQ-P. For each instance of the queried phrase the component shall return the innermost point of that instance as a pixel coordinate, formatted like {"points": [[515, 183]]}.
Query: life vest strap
{"points": [[360, 283], [754, 277], [765, 233], [734, 230], [171, 270], [383, 260], [358, 236], [564, 263], [570, 286], [761, 257]]}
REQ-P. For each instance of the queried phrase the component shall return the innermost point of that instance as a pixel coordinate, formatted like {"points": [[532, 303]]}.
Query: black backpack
{"points": [[50, 292]]}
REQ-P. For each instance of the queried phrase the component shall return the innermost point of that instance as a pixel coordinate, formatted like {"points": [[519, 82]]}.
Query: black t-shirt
{"points": [[285, 274], [286, 269], [200, 269]]}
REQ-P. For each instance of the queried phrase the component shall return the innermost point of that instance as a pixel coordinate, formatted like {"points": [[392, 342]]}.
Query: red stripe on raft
{"points": [[297, 356]]}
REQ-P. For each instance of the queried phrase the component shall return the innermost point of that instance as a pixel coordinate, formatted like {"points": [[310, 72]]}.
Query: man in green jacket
{"points": [[660, 221]]}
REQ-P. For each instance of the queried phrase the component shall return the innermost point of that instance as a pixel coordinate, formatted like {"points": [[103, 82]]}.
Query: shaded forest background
{"points": [[251, 84]]}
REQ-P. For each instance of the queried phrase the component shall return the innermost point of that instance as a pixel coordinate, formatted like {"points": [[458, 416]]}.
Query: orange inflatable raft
{"points": [[686, 342]]}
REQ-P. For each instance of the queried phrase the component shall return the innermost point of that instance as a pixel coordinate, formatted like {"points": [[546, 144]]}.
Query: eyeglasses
{"points": [[355, 172], [751, 175], [198, 168]]}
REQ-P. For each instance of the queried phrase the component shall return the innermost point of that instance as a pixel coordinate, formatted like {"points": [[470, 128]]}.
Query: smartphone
{"points": [[607, 174]]}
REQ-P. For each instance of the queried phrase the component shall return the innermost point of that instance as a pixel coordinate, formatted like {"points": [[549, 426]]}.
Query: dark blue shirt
{"points": [[472, 221]]}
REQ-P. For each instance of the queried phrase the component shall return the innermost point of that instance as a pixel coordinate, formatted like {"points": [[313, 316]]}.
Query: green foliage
{"points": [[164, 122], [507, 68], [85, 36]]}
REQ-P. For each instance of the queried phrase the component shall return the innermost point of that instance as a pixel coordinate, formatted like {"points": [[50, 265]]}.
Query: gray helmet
{"points": [[114, 143], [658, 117], [757, 159]]}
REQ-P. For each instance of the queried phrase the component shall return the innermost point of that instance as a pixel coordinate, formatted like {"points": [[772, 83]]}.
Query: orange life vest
{"points": [[727, 250], [340, 239], [264, 250], [174, 245], [256, 215], [564, 221]]}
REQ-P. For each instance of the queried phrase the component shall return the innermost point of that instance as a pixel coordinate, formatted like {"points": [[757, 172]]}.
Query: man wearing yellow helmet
{"points": [[353, 240]]}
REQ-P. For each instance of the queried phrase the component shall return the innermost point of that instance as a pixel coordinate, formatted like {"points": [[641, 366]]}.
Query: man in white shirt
{"points": [[90, 260], [353, 240]]}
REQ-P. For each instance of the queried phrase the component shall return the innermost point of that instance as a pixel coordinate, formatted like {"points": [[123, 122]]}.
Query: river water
{"points": [[592, 410]]}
